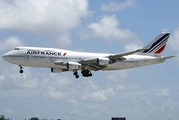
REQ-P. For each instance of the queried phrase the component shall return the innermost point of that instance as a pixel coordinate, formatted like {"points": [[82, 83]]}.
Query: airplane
{"points": [[60, 60]]}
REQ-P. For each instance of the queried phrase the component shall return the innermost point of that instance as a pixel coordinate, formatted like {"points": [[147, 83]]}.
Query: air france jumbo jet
{"points": [[60, 60]]}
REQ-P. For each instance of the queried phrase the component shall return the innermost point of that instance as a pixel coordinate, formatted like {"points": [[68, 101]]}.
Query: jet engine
{"points": [[73, 65], [103, 61]]}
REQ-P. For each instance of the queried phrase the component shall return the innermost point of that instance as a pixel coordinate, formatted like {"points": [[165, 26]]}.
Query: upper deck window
{"points": [[16, 48]]}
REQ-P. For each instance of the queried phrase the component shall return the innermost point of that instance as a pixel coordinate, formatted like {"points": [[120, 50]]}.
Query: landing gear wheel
{"points": [[21, 71], [77, 76], [75, 73], [90, 74], [86, 73]]}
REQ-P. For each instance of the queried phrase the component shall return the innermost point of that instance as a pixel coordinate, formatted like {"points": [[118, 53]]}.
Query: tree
{"points": [[2, 117], [33, 118]]}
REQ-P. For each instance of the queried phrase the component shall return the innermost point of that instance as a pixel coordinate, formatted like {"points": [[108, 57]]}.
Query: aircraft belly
{"points": [[43, 65], [130, 64], [34, 62], [120, 66]]}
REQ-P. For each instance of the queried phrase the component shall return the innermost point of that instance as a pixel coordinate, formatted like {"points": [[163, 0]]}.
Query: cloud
{"points": [[177, 58], [15, 80], [117, 6], [52, 92], [42, 16], [74, 102], [118, 75], [101, 95], [107, 29], [8, 111], [92, 85], [10, 43], [169, 105], [64, 40], [121, 87], [54, 80], [161, 92], [174, 39], [132, 46]]}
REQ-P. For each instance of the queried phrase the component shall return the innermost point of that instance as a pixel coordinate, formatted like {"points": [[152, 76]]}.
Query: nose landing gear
{"points": [[21, 71]]}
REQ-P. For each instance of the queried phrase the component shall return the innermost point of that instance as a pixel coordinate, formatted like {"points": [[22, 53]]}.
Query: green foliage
{"points": [[2, 117], [33, 118]]}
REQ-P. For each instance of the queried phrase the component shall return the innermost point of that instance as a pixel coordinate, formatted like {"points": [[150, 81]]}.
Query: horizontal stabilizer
{"points": [[167, 57]]}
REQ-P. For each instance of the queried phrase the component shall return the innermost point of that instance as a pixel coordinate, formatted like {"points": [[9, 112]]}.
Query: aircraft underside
{"points": [[86, 71]]}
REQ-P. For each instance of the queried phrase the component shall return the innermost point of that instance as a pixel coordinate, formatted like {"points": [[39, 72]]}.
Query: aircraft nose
{"points": [[5, 56]]}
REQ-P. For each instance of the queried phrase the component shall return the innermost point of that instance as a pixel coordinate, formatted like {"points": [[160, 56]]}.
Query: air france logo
{"points": [[64, 54], [43, 53]]}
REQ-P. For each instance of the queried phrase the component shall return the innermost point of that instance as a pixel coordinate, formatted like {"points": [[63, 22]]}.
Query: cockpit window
{"points": [[16, 48]]}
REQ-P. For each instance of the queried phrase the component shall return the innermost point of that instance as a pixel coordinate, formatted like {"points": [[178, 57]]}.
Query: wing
{"points": [[98, 63], [120, 57], [93, 64], [101, 63]]}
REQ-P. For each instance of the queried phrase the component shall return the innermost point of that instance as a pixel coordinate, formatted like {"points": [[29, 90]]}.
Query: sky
{"points": [[109, 26]]}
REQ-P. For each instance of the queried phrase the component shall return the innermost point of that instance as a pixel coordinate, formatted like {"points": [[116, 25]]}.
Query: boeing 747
{"points": [[60, 60]]}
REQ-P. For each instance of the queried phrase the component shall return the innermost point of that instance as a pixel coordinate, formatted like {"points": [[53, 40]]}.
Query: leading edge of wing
{"points": [[120, 55]]}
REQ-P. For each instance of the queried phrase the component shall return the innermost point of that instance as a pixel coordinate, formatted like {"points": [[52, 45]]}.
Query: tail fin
{"points": [[157, 46]]}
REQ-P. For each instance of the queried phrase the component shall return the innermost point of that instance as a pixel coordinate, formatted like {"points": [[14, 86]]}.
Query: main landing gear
{"points": [[85, 73], [75, 73], [21, 71]]}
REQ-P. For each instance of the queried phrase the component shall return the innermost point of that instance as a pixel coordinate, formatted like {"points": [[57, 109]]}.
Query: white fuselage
{"points": [[46, 57]]}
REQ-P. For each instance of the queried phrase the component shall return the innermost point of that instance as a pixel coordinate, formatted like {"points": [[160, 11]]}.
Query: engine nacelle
{"points": [[103, 61], [73, 65], [56, 70]]}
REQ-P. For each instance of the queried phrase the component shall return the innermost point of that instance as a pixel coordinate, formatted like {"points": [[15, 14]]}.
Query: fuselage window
{"points": [[16, 48]]}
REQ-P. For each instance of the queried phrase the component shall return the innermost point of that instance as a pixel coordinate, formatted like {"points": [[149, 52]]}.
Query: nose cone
{"points": [[11, 57], [5, 57]]}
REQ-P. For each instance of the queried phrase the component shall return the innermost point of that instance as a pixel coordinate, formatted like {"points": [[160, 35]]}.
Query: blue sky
{"points": [[110, 26]]}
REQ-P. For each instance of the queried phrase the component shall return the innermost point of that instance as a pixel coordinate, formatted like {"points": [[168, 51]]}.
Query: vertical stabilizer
{"points": [[157, 46]]}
